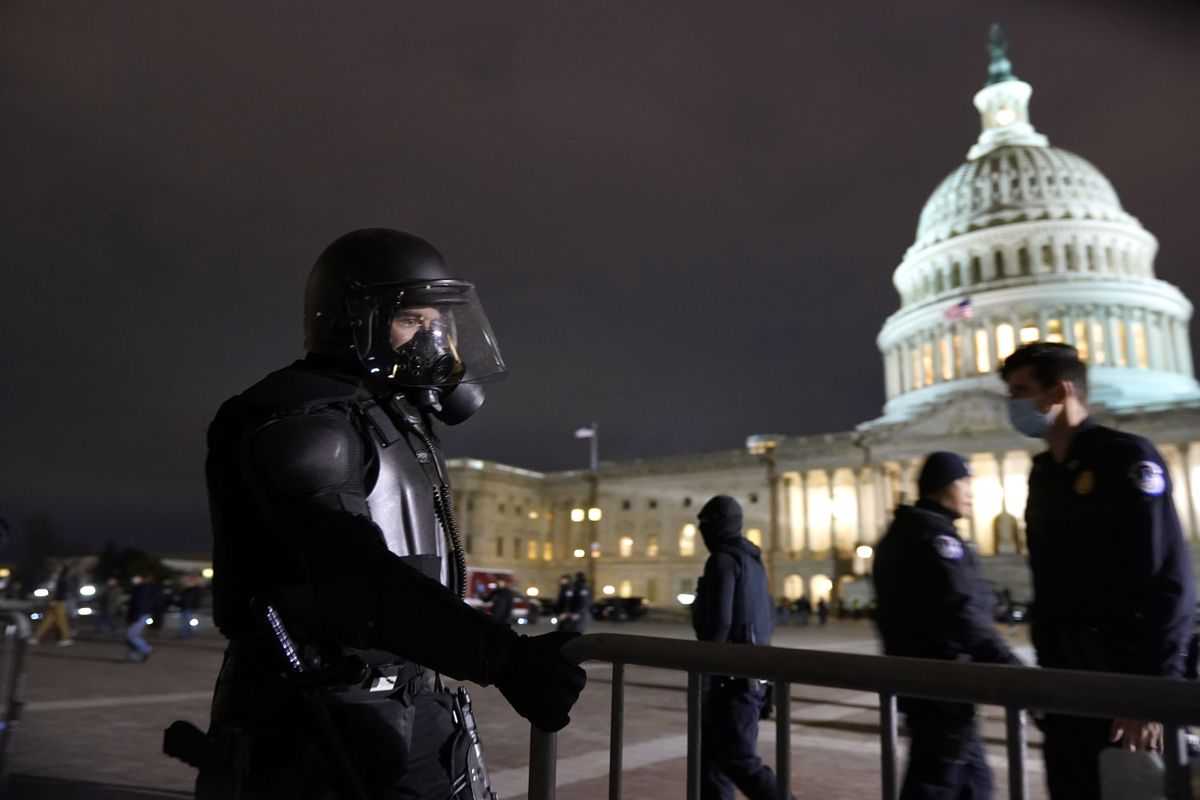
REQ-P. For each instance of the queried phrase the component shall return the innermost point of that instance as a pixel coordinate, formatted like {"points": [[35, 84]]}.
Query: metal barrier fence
{"points": [[14, 633], [1174, 702]]}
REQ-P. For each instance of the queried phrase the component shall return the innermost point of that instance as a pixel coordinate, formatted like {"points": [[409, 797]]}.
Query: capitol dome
{"points": [[1026, 242]]}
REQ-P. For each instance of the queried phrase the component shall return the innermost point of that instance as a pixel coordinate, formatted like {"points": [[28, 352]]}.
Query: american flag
{"points": [[960, 310]]}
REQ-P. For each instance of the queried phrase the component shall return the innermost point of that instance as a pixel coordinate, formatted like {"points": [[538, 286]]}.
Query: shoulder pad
{"points": [[297, 388], [309, 454]]}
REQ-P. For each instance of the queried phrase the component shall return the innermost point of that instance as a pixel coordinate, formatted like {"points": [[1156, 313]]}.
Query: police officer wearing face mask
{"points": [[934, 603], [733, 604], [339, 568], [1112, 579]]}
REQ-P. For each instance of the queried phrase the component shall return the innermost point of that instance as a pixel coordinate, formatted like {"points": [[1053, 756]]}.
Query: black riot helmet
{"points": [[388, 297]]}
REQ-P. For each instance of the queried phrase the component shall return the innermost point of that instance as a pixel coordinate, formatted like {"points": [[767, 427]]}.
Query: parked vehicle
{"points": [[618, 609]]}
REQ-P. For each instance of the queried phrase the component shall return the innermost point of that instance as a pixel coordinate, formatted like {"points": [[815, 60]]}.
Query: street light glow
{"points": [[87, 591], [532, 591], [206, 573], [685, 598], [577, 515], [864, 551], [579, 552], [609, 589], [594, 514]]}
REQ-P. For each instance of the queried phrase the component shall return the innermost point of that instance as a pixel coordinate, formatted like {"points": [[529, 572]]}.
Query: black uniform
{"points": [[1112, 580], [934, 603], [501, 599], [576, 605], [733, 604], [329, 503]]}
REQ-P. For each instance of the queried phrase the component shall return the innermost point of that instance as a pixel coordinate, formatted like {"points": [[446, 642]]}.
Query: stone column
{"points": [[803, 544], [1006, 533], [1068, 323], [1154, 339], [860, 502], [1185, 351], [935, 342], [830, 477], [1112, 339], [1089, 335]]}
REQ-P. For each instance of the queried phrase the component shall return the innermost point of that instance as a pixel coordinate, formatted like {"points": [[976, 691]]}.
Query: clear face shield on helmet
{"points": [[429, 335]]}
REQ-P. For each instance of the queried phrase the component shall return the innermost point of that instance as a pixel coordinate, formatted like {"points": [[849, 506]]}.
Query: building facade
{"points": [[1023, 242]]}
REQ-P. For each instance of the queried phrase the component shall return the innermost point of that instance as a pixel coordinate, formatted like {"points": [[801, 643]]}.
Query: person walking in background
{"points": [[934, 603], [822, 612], [733, 604], [56, 613], [110, 618], [577, 606], [1113, 589], [143, 598], [501, 599], [190, 600]]}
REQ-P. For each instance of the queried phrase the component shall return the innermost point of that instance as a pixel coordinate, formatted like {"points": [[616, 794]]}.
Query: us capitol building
{"points": [[1023, 242]]}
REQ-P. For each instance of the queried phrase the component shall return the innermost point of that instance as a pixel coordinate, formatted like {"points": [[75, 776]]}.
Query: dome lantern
{"points": [[1003, 104]]}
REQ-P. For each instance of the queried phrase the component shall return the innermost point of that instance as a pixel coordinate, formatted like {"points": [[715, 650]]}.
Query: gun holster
{"points": [[221, 757], [470, 777]]}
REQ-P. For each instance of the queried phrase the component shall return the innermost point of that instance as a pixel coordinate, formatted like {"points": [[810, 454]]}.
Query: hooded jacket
{"points": [[733, 599]]}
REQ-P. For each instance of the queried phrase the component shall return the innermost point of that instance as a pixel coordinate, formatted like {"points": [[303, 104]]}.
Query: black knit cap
{"points": [[941, 469]]}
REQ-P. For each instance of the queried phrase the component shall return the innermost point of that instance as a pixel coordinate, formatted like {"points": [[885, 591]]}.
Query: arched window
{"points": [[625, 546]]}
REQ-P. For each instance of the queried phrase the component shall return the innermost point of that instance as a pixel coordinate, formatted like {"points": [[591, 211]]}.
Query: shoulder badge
{"points": [[948, 547], [1148, 478], [1085, 482]]}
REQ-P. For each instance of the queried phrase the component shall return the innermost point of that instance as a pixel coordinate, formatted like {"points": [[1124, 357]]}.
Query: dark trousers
{"points": [[730, 710], [945, 760], [1071, 748]]}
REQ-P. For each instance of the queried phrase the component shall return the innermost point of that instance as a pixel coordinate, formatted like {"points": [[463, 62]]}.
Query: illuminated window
{"points": [[1081, 343], [1054, 330], [625, 546], [1029, 333], [1140, 351], [548, 551], [1122, 349], [793, 587], [754, 536], [625, 589], [947, 360], [652, 546], [1004, 341], [983, 363], [927, 364], [687, 540], [915, 372], [531, 552], [957, 343], [652, 589], [1098, 341]]}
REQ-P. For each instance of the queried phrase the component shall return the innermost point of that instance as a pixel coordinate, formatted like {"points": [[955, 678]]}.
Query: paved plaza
{"points": [[92, 726]]}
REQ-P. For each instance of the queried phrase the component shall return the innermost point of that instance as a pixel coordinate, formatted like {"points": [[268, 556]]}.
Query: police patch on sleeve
{"points": [[948, 547], [1148, 478]]}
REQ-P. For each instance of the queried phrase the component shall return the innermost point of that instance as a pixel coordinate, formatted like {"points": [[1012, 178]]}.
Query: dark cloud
{"points": [[682, 217]]}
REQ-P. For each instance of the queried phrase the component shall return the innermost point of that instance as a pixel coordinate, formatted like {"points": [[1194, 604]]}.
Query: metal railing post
{"points": [[693, 736], [1015, 743], [1177, 777], [887, 744], [783, 740], [616, 730], [543, 758]]}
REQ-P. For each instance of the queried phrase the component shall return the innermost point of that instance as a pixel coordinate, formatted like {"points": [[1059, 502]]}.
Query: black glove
{"points": [[537, 680]]}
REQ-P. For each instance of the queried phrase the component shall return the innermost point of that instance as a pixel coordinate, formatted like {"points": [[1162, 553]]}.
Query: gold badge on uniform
{"points": [[1085, 482]]}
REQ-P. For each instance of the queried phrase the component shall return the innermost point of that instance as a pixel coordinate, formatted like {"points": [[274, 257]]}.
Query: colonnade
{"points": [[1106, 335], [834, 510]]}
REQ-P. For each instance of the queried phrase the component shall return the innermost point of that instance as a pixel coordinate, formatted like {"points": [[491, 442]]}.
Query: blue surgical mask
{"points": [[1024, 416]]}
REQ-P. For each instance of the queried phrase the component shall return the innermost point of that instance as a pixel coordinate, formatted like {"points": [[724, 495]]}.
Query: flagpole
{"points": [[595, 447]]}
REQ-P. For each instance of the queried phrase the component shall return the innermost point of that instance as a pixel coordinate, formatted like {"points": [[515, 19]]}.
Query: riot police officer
{"points": [[336, 554], [934, 603], [1112, 578], [733, 604]]}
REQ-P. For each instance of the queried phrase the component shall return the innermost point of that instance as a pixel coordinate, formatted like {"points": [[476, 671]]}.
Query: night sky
{"points": [[682, 217]]}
